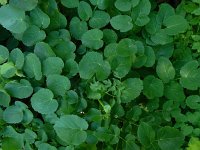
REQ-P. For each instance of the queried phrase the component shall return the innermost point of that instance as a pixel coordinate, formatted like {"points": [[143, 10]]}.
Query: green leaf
{"points": [[52, 65], [42, 101], [77, 28], [193, 101], [194, 144], [10, 143], [130, 144], [71, 67], [5, 98], [123, 5], [24, 4], [17, 57], [84, 11], [70, 128], [45, 146], [190, 75], [109, 36], [153, 87], [12, 19], [32, 66], [8, 70], [132, 89], [169, 138], [165, 69], [92, 64], [174, 91], [93, 39], [3, 2], [161, 38], [122, 23], [70, 3], [32, 35], [126, 47], [20, 90], [99, 19], [39, 18], [149, 52], [43, 51], [4, 54], [175, 24], [13, 114], [58, 84], [146, 134]]}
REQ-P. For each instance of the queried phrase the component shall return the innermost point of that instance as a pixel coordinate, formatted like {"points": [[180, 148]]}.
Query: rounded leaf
{"points": [[70, 129], [93, 39], [4, 54], [13, 114], [84, 11], [58, 84], [193, 102], [42, 101], [122, 23], [70, 3]]}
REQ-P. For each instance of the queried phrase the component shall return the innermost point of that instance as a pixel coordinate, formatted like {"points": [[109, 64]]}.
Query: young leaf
{"points": [[99, 19], [70, 3], [122, 23], [58, 84], [4, 54], [32, 66], [165, 69], [93, 39], [52, 65], [153, 87], [8, 70], [71, 129], [12, 19], [42, 101], [169, 138], [92, 64], [17, 57], [84, 11], [133, 88], [20, 90], [146, 134], [13, 114]]}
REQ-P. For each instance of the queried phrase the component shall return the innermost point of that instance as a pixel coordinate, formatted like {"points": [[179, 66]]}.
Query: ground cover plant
{"points": [[99, 75]]}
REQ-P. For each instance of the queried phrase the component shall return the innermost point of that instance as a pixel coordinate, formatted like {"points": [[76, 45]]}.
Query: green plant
{"points": [[99, 74]]}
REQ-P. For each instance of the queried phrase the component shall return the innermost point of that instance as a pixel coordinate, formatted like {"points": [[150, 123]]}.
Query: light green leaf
{"points": [[93, 39], [32, 35], [169, 138], [165, 69], [175, 24], [12, 19], [58, 84], [4, 54], [32, 66], [17, 57], [13, 114], [21, 90], [5, 98], [42, 101], [52, 65], [153, 87], [9, 143], [99, 19], [126, 47], [8, 70], [70, 3], [26, 5], [92, 64], [39, 18], [3, 2], [123, 5], [132, 89], [77, 27], [193, 102], [146, 134], [122, 23], [84, 11], [190, 75], [70, 128], [43, 50]]}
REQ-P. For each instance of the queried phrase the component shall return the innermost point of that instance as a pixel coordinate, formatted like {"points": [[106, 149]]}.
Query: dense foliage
{"points": [[99, 74]]}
